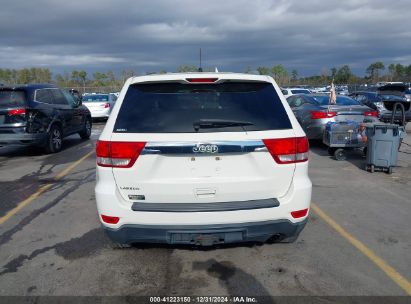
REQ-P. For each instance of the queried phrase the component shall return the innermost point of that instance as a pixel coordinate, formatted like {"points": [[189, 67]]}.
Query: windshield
{"points": [[96, 98], [178, 108], [341, 100], [11, 98]]}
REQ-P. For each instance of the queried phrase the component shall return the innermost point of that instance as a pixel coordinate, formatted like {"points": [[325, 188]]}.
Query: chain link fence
{"points": [[108, 89]]}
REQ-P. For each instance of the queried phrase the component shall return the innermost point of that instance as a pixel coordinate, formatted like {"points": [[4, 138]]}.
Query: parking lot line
{"points": [[389, 271], [42, 189]]}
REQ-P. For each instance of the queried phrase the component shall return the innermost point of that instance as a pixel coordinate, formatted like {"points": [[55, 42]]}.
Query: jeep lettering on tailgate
{"points": [[200, 148]]}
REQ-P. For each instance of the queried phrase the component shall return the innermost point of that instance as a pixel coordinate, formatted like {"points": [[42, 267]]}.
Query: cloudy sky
{"points": [[146, 36]]}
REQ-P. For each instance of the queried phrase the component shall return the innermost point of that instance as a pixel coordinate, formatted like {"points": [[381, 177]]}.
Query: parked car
{"points": [[382, 100], [292, 91], [41, 114], [408, 94], [100, 105], [314, 111], [203, 158]]}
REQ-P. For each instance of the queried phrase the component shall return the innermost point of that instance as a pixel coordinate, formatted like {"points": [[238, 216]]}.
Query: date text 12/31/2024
{"points": [[204, 299]]}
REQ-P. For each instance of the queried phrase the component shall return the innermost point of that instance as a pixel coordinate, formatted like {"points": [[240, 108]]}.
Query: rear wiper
{"points": [[219, 123]]}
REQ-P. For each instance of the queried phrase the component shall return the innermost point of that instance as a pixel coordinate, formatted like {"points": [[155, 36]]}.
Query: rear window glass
{"points": [[175, 107], [341, 100], [11, 98], [300, 91], [96, 98]]}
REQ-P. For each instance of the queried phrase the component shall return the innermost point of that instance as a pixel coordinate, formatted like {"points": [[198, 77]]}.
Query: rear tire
{"points": [[331, 151], [54, 140], [86, 132], [339, 154]]}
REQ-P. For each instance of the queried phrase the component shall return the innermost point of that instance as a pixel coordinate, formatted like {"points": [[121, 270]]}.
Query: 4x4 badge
{"points": [[205, 148]]}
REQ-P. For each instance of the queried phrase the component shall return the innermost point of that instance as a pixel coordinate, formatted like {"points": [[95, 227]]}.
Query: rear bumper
{"points": [[22, 139], [386, 116], [205, 235], [100, 114], [315, 131]]}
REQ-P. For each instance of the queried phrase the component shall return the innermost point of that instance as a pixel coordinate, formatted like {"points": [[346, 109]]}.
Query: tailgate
{"points": [[193, 172]]}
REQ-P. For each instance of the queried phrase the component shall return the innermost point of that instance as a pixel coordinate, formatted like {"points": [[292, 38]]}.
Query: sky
{"points": [[310, 36]]}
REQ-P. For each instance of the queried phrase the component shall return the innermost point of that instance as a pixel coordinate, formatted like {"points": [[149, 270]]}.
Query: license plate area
{"points": [[205, 239]]}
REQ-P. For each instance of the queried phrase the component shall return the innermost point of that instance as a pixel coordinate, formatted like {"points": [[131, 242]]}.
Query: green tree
{"points": [[24, 76], [373, 70], [126, 74], [83, 77], [333, 72], [294, 76], [343, 74], [264, 71], [187, 68], [407, 73], [280, 74], [100, 79]]}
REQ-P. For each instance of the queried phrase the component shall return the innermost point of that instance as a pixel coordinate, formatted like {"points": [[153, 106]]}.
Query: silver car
{"points": [[313, 111], [100, 105]]}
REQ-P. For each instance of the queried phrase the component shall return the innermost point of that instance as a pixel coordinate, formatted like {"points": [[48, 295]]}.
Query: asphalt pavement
{"points": [[54, 245]]}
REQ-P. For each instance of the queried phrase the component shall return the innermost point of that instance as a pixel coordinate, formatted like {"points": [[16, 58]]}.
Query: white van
{"points": [[204, 159]]}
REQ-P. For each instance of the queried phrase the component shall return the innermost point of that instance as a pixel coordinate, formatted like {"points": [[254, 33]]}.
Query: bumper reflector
{"points": [[110, 219], [299, 213]]}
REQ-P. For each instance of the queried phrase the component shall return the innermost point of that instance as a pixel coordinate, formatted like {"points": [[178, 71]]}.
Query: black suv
{"points": [[42, 115]]}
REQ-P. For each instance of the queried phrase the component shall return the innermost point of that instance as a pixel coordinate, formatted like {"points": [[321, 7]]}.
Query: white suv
{"points": [[202, 158]]}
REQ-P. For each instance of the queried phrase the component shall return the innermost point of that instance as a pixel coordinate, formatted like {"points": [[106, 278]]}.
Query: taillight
{"points": [[322, 114], [118, 154], [15, 112], [110, 219], [288, 150], [202, 80], [371, 113], [107, 105], [299, 213]]}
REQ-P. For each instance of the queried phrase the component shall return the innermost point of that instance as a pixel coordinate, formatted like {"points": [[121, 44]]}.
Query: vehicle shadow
{"points": [[22, 151], [354, 156]]}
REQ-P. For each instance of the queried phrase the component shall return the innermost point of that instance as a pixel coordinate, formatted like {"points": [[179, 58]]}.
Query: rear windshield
{"points": [[341, 100], [175, 107], [11, 98], [300, 91], [96, 98]]}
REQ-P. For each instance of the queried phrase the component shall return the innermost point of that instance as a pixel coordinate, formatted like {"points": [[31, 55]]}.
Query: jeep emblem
{"points": [[207, 148]]}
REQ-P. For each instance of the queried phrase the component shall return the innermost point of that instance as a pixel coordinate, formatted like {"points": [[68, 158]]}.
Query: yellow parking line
{"points": [[42, 189], [389, 271]]}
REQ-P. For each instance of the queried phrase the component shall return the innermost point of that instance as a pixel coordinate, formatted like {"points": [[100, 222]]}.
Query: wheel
{"points": [[86, 132], [339, 154], [372, 168], [330, 151], [389, 171], [54, 140]]}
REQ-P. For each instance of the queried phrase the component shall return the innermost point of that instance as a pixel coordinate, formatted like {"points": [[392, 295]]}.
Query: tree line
{"points": [[375, 72]]}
